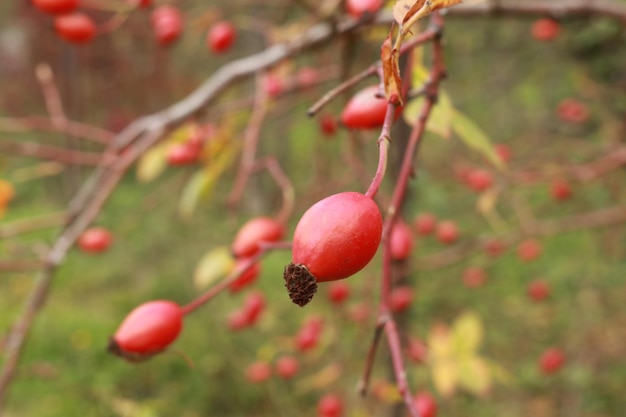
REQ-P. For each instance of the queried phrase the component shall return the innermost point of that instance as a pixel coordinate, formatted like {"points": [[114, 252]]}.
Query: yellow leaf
{"points": [[467, 333], [474, 137], [215, 264], [404, 9], [440, 118], [321, 379], [475, 376], [386, 392], [445, 377], [439, 342], [391, 71]]}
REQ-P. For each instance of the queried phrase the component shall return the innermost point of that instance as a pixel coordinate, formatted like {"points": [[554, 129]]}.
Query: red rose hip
{"points": [[334, 239], [56, 6], [75, 28], [365, 110], [256, 231], [95, 240], [147, 330], [221, 37]]}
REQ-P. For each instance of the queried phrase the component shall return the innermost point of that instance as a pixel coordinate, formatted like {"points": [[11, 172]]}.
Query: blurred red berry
{"points": [[479, 180], [401, 298], [561, 190], [538, 290], [417, 350], [246, 278], [474, 277], [359, 313], [253, 306], [503, 151], [425, 223], [356, 8], [338, 292], [401, 241], [529, 250], [259, 371], [75, 27], [56, 6], [95, 240], [328, 124], [167, 24], [330, 405], [425, 404], [255, 232], [221, 37], [238, 320], [307, 77], [545, 29], [182, 154], [494, 247], [273, 85], [287, 367], [572, 111], [552, 360], [447, 232]]}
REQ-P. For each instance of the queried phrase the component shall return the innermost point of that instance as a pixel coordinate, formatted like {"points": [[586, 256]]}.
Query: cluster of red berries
{"points": [[70, 24], [286, 367]]}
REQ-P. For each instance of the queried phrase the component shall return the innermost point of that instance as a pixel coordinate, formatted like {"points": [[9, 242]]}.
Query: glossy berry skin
{"points": [[552, 360], [425, 404], [167, 24], [447, 232], [538, 290], [258, 372], [545, 29], [572, 111], [246, 278], [425, 223], [334, 239], [561, 190], [529, 250], [287, 367], [95, 240], [56, 6], [338, 292], [256, 231], [401, 241], [330, 405], [220, 37], [75, 28], [147, 330], [401, 299], [356, 8], [365, 110], [479, 180]]}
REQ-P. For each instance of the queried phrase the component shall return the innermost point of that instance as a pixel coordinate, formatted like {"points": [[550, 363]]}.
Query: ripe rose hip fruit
{"points": [[167, 23], [338, 292], [365, 110], [75, 27], [330, 405], [287, 367], [307, 77], [538, 290], [246, 278], [221, 37], [494, 247], [256, 231], [561, 190], [95, 240], [447, 232], [474, 277], [56, 6], [328, 124], [529, 250], [147, 330], [503, 151], [417, 350], [356, 8], [183, 154], [425, 223], [479, 180], [545, 29], [425, 404], [401, 241], [552, 360], [258, 372], [401, 299], [334, 239], [253, 306], [572, 111]]}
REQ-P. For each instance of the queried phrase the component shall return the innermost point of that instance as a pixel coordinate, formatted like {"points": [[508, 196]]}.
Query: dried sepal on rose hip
{"points": [[334, 239], [149, 329]]}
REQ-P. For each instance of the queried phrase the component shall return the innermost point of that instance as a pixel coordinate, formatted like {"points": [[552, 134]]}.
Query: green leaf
{"points": [[474, 137], [215, 264]]}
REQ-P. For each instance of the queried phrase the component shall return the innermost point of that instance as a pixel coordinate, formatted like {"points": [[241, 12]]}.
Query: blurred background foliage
{"points": [[506, 82]]}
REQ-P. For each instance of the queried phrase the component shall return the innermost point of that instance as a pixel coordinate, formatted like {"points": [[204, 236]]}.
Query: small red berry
{"points": [[447, 232], [259, 371], [401, 241], [307, 77], [238, 319], [425, 223], [417, 350], [545, 29], [561, 190], [494, 247], [246, 278], [75, 27], [328, 124], [360, 313], [334, 239], [529, 250], [147, 330], [479, 180], [503, 151], [572, 111], [56, 6], [95, 240], [330, 405], [253, 306], [474, 277], [356, 8], [338, 292], [167, 23], [182, 154], [221, 37], [538, 290], [256, 231], [425, 404], [273, 85], [287, 367], [552, 360], [401, 299], [308, 336], [365, 110]]}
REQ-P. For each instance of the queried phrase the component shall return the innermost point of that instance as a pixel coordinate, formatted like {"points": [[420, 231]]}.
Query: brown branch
{"points": [[609, 8], [20, 227], [51, 95], [51, 153], [70, 128]]}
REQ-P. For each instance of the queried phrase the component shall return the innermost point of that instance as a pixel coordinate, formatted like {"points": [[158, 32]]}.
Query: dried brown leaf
{"points": [[391, 71]]}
